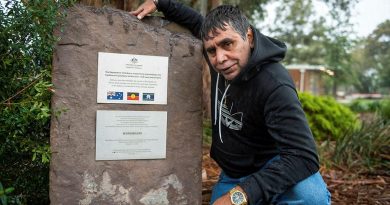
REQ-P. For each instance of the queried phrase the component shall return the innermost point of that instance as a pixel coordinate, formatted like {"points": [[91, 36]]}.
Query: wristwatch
{"points": [[237, 197]]}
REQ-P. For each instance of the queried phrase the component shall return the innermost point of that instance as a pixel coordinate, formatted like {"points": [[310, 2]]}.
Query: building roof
{"points": [[303, 67]]}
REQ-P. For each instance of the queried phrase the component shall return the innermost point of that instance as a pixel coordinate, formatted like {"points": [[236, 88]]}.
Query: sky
{"points": [[370, 13], [366, 15]]}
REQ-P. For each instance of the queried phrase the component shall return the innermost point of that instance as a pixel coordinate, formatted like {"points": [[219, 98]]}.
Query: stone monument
{"points": [[75, 176]]}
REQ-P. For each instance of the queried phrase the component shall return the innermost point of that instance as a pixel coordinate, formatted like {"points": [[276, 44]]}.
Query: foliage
{"points": [[325, 150], [364, 78], [316, 39], [378, 52], [327, 118], [7, 198], [366, 148], [4, 194], [290, 26], [207, 131], [380, 107], [371, 61], [326, 39], [249, 7], [26, 49], [384, 110], [364, 105]]}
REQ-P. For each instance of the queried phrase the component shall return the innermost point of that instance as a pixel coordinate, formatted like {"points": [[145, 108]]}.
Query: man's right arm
{"points": [[173, 11]]}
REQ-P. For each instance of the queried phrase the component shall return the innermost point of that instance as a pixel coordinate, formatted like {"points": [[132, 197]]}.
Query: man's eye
{"points": [[228, 44], [211, 51]]}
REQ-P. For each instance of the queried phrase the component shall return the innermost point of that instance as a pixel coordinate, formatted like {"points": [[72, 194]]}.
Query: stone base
{"points": [[75, 176]]}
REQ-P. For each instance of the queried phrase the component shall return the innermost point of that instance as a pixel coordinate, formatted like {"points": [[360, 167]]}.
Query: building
{"points": [[309, 78]]}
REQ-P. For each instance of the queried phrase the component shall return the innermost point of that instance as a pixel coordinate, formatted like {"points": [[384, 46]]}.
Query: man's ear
{"points": [[249, 36]]}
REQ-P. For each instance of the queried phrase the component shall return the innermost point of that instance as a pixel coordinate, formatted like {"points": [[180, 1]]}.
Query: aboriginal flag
{"points": [[132, 96]]}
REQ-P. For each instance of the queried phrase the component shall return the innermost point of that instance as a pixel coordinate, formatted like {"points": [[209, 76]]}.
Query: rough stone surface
{"points": [[75, 176]]}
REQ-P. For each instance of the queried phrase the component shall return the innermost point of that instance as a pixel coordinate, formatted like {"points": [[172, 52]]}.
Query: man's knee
{"points": [[311, 190]]}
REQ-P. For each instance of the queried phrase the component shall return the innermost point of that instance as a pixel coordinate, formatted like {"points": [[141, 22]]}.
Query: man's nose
{"points": [[221, 56]]}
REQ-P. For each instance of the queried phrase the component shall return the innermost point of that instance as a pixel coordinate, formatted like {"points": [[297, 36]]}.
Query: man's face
{"points": [[228, 52]]}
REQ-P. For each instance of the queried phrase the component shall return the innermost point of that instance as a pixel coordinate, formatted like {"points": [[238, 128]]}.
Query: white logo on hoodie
{"points": [[223, 114], [232, 121]]}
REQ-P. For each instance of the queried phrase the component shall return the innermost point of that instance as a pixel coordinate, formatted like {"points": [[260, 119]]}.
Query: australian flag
{"points": [[111, 95], [148, 96]]}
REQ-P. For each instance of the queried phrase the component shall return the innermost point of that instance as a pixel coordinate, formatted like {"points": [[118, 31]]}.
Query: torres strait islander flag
{"points": [[132, 96], [148, 97]]}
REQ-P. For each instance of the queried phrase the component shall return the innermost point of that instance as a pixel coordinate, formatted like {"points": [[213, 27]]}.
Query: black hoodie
{"points": [[260, 117]]}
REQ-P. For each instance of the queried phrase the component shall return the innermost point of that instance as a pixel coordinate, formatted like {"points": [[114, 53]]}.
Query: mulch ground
{"points": [[346, 188]]}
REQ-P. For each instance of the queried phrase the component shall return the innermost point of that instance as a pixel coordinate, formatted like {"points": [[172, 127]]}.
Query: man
{"points": [[261, 138]]}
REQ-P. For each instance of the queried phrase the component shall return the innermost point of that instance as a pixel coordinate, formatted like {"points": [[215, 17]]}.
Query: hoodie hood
{"points": [[266, 50]]}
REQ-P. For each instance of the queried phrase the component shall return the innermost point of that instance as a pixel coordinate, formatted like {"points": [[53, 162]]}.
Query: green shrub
{"points": [[365, 149], [327, 118], [207, 131], [363, 105], [380, 107], [384, 109], [5, 194], [26, 49], [325, 150]]}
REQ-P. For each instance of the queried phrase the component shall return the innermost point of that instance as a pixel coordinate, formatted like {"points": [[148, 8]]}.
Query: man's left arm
{"points": [[173, 11], [288, 126]]}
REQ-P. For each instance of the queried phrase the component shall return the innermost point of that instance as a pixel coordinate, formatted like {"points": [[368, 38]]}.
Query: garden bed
{"points": [[346, 188]]}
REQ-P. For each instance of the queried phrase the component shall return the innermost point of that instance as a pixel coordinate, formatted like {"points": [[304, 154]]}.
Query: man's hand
{"points": [[223, 200], [146, 8]]}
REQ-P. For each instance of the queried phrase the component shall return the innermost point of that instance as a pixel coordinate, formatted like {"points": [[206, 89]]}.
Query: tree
{"points": [[291, 23], [26, 47], [339, 46], [370, 61], [314, 39], [378, 53], [363, 76]]}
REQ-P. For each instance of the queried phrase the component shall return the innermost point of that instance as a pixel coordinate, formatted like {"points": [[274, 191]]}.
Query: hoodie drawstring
{"points": [[220, 112], [216, 101], [220, 107]]}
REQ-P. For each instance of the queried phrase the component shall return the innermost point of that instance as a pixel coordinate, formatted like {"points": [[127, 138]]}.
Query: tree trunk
{"points": [[334, 86]]}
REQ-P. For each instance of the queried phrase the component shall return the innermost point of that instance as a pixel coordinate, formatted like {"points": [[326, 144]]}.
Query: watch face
{"points": [[237, 197]]}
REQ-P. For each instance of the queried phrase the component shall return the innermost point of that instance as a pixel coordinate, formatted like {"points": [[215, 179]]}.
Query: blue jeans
{"points": [[311, 191]]}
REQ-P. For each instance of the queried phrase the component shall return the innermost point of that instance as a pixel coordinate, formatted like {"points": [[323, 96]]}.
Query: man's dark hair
{"points": [[222, 16]]}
